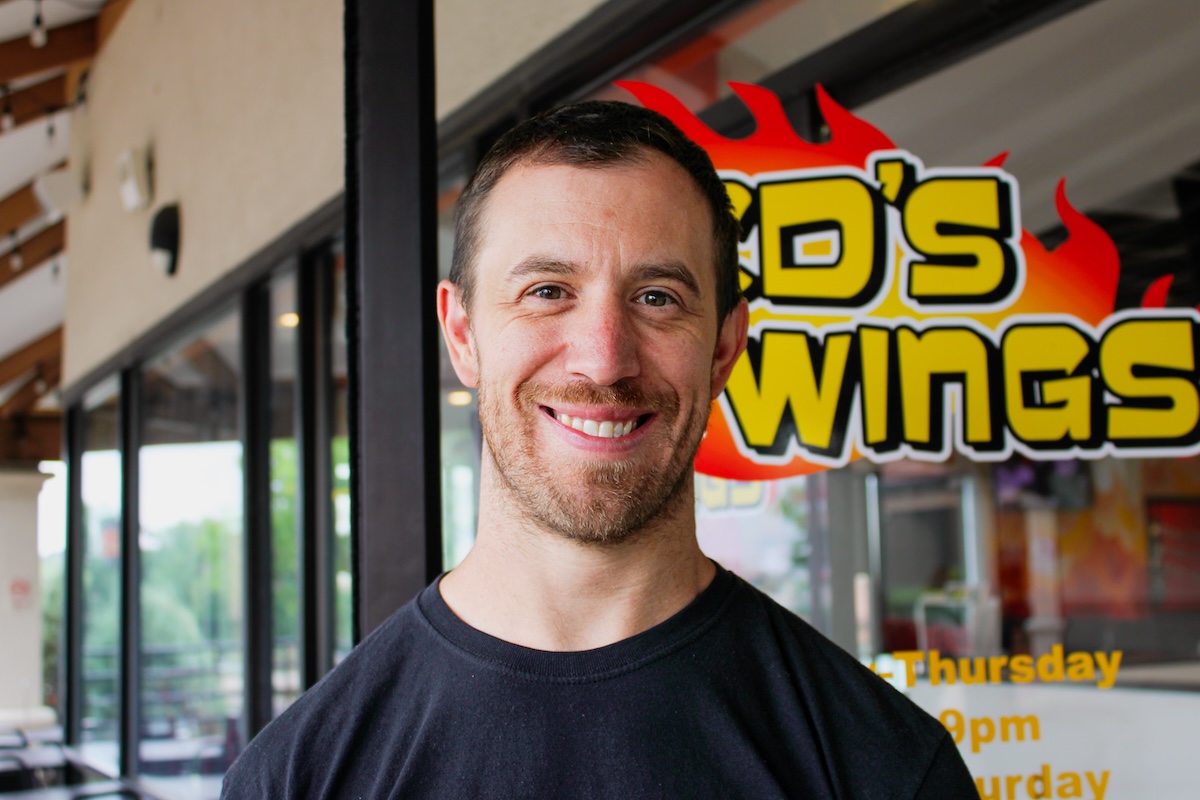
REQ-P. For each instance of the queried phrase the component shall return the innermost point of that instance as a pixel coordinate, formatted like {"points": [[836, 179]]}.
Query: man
{"points": [[586, 648]]}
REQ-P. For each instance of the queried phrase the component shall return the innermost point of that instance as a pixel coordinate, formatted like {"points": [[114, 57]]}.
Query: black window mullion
{"points": [[130, 658], [314, 411], [256, 441], [71, 674]]}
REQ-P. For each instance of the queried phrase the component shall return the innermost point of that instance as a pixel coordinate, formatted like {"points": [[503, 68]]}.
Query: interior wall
{"points": [[242, 105], [20, 602]]}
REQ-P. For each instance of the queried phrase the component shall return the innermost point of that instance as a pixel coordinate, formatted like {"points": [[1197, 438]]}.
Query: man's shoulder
{"points": [[336, 717], [869, 731]]}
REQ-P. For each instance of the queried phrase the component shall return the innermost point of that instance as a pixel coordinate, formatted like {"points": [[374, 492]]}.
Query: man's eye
{"points": [[653, 298], [548, 292]]}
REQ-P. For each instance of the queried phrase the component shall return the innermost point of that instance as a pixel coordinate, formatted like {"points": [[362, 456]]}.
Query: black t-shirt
{"points": [[733, 697]]}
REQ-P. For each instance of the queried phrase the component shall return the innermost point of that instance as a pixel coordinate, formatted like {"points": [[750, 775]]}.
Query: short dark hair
{"points": [[595, 133]]}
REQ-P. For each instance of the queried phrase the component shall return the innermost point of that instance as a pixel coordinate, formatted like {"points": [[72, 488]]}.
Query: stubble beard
{"points": [[595, 502]]}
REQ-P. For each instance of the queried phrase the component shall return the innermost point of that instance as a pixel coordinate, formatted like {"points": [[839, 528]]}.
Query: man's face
{"points": [[594, 341]]}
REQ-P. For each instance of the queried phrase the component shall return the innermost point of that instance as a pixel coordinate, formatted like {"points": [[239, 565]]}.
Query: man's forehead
{"points": [[651, 202], [530, 184]]}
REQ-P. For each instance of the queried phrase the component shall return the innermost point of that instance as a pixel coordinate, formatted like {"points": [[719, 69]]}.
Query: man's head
{"points": [[588, 311], [595, 134]]}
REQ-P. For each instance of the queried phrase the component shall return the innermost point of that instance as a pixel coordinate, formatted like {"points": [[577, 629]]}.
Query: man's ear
{"points": [[456, 328], [731, 342]]}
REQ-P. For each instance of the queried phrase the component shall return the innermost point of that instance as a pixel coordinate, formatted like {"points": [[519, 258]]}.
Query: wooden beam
{"points": [[75, 75], [74, 42], [106, 23], [27, 358], [30, 439], [18, 208], [35, 251], [44, 380], [208, 361], [38, 101]]}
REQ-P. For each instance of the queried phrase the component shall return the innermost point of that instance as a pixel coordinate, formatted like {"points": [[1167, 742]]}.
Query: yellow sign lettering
{"points": [[822, 241], [1150, 364], [787, 398], [1048, 387], [962, 226]]}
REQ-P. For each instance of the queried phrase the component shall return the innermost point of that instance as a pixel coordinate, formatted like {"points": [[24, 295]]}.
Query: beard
{"points": [[594, 502]]}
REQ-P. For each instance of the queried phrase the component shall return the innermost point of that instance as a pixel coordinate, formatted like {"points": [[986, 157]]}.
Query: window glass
{"points": [[757, 41], [100, 479], [285, 528], [191, 537], [461, 435], [343, 580]]}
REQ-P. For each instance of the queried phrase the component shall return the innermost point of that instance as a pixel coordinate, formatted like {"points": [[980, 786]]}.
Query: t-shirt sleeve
{"points": [[254, 775], [947, 777]]}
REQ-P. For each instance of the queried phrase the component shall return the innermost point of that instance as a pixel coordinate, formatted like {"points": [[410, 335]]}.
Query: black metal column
{"points": [[391, 252], [314, 288], [131, 607], [71, 650], [257, 629]]}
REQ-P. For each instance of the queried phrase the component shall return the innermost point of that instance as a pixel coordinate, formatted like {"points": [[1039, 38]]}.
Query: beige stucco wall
{"points": [[20, 603], [242, 103]]}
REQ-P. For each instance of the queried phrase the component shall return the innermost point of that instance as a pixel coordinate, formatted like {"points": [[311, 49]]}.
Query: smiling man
{"points": [[586, 647]]}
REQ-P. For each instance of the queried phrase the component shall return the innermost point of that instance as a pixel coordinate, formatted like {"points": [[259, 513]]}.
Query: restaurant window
{"points": [[340, 443], [100, 478], [284, 320], [191, 542], [461, 436]]}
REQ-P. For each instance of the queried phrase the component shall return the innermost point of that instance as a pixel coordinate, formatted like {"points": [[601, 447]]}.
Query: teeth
{"points": [[603, 430]]}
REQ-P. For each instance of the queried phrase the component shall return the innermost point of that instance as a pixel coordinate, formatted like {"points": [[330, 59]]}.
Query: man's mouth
{"points": [[601, 429]]}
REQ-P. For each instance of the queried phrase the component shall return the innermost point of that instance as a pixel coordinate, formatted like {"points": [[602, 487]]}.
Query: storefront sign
{"points": [[900, 311]]}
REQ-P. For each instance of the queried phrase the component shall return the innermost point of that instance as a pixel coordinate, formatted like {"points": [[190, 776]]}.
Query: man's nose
{"points": [[602, 343]]}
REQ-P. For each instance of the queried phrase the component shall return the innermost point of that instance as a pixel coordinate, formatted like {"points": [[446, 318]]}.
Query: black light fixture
{"points": [[164, 239], [38, 36], [7, 120], [16, 261]]}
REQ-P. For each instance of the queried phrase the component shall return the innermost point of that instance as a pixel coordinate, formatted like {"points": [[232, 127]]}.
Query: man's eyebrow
{"points": [[670, 271], [541, 265]]}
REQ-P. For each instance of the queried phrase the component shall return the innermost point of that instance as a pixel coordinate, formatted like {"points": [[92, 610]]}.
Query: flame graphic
{"points": [[1078, 278]]}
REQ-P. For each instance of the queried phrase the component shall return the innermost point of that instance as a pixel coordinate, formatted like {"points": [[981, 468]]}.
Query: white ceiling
{"points": [[32, 305]]}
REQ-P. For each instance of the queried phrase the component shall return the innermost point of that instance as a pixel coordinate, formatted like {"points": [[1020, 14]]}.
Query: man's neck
{"points": [[541, 590]]}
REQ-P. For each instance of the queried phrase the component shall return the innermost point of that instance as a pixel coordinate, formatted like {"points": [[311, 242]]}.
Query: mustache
{"points": [[624, 393]]}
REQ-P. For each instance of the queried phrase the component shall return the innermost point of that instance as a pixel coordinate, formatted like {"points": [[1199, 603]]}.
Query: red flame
{"points": [[1079, 276], [1156, 295], [774, 145]]}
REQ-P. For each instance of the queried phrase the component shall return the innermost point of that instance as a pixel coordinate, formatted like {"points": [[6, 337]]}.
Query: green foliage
{"points": [[52, 582], [285, 540]]}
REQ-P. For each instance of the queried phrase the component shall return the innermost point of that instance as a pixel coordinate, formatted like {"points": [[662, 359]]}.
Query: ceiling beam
{"points": [[19, 208], [35, 251], [28, 357], [208, 361], [30, 439], [66, 44], [40, 100], [107, 21], [44, 380]]}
